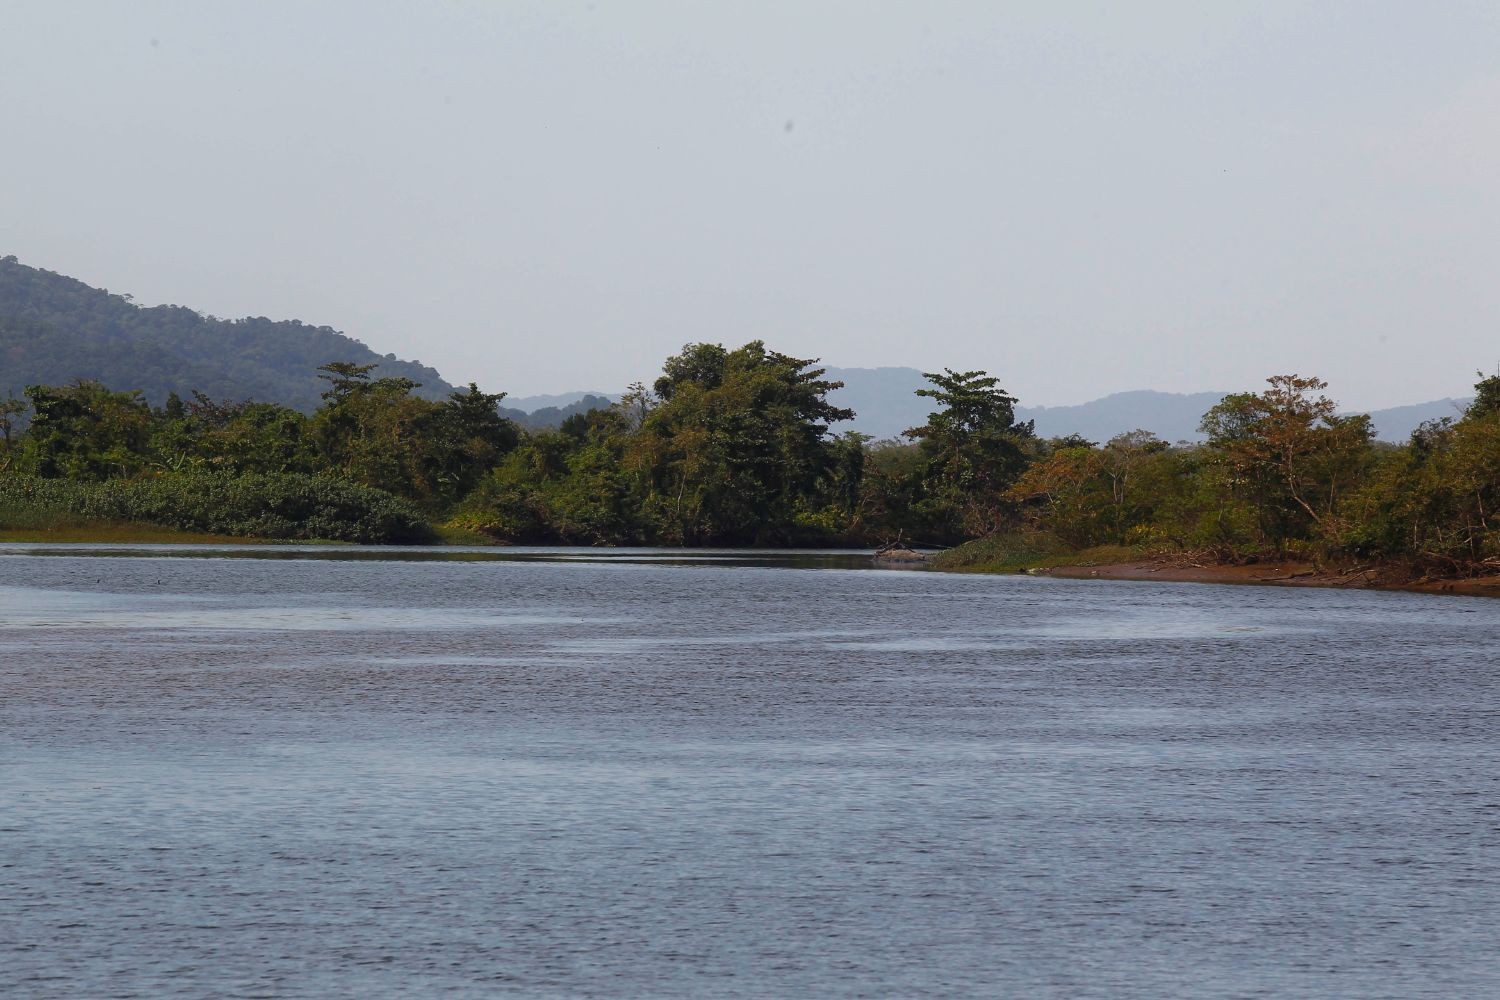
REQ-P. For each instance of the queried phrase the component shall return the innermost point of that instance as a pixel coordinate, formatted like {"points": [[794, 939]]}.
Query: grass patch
{"points": [[453, 534], [1014, 553], [33, 525], [115, 532]]}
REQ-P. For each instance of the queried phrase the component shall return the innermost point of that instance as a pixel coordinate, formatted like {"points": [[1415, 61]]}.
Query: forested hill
{"points": [[55, 329]]}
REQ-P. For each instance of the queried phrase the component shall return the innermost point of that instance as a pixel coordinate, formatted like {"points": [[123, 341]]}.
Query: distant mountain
{"points": [[1170, 416], [546, 417], [1175, 417], [1397, 423], [884, 402], [54, 329], [561, 400]]}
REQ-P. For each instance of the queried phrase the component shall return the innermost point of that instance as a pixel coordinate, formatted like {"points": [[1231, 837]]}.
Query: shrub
{"points": [[1002, 551], [272, 505]]}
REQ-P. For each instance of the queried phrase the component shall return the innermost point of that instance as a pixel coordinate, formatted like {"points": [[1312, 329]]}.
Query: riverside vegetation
{"points": [[735, 447]]}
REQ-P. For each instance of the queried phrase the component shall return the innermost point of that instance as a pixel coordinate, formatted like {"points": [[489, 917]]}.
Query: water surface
{"points": [[316, 771]]}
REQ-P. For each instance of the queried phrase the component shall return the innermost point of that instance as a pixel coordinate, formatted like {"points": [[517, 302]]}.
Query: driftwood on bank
{"points": [[897, 552]]}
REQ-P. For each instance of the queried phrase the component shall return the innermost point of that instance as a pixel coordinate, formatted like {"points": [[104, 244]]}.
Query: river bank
{"points": [[1283, 574], [1039, 554], [1103, 563], [118, 532]]}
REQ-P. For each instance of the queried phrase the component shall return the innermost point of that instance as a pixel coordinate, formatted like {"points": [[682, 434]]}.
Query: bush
{"points": [[1002, 551], [284, 506]]}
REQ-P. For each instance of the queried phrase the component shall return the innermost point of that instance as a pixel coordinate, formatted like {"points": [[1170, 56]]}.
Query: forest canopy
{"points": [[727, 446]]}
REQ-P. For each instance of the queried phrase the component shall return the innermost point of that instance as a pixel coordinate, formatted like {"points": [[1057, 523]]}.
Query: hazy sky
{"points": [[1080, 198]]}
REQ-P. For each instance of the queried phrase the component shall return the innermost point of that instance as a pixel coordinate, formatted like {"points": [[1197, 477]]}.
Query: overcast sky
{"points": [[1079, 198]]}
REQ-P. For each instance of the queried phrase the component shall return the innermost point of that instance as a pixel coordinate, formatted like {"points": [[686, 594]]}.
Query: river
{"points": [[327, 772]]}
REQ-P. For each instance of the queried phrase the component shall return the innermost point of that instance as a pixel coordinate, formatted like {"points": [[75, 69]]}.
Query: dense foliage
{"points": [[262, 505], [727, 447], [1282, 473], [739, 447]]}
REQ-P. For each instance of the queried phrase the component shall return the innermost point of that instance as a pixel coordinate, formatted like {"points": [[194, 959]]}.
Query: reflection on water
{"points": [[317, 771]]}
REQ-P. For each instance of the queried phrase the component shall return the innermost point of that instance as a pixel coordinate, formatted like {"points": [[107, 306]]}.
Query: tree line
{"points": [[725, 447], [1282, 473], [739, 447]]}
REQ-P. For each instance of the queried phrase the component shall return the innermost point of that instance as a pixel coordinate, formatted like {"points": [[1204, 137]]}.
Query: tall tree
{"points": [[1290, 452], [85, 431], [470, 439], [973, 446], [737, 445], [11, 410]]}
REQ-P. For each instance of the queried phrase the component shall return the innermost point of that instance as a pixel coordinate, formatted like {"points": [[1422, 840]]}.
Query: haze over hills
{"points": [[556, 400], [55, 329], [1171, 416], [554, 413], [885, 403], [1397, 423]]}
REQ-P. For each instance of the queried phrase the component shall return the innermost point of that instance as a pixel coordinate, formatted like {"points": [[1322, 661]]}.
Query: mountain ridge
{"points": [[885, 403], [1172, 416], [55, 328]]}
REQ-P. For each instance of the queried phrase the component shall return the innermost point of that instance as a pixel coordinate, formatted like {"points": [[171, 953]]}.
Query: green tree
{"points": [[1123, 458], [1087, 495], [1434, 503], [1066, 492], [11, 410], [237, 437], [344, 378], [377, 432], [469, 437], [1486, 397], [85, 431], [567, 485], [974, 450], [1290, 454], [736, 446]]}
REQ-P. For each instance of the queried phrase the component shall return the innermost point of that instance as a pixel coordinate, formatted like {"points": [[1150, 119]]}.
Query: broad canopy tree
{"points": [[736, 446], [379, 433], [86, 431], [1290, 453], [1089, 495], [973, 450]]}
